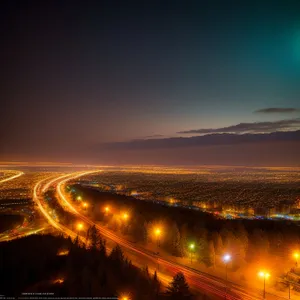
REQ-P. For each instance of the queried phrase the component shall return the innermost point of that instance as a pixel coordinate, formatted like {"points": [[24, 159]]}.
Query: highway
{"points": [[37, 196], [15, 175], [198, 280]]}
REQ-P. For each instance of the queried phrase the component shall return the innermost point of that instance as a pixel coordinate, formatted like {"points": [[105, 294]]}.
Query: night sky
{"points": [[79, 74]]}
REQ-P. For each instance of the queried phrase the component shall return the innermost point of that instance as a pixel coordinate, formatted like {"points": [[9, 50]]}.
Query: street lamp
{"points": [[264, 275], [107, 209], [157, 233], [125, 216], [191, 247], [79, 198], [85, 205], [296, 256], [226, 259], [79, 227]]}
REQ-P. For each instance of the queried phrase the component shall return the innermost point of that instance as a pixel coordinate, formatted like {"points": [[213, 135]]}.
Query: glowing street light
{"points": [[79, 198], [296, 256], [124, 297], [125, 216], [79, 227], [226, 260], [85, 205], [157, 233], [264, 275], [192, 248], [107, 209]]}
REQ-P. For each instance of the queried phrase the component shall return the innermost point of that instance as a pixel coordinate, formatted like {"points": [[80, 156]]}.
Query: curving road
{"points": [[198, 280], [15, 175]]}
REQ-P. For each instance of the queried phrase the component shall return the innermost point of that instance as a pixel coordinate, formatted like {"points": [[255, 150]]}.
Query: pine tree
{"points": [[117, 255], [178, 288], [76, 242], [175, 241], [94, 237], [218, 243], [156, 284], [146, 271], [102, 247], [184, 234], [207, 253]]}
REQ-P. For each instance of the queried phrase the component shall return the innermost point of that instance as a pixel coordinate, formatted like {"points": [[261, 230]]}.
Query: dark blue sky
{"points": [[79, 73]]}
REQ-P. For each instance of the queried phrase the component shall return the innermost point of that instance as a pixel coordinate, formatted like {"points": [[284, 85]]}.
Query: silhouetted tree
{"points": [[117, 255], [218, 243], [156, 285], [184, 240], [174, 240], [93, 238], [179, 288]]}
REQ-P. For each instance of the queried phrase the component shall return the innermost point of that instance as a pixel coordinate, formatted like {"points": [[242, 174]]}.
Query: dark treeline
{"points": [[34, 265], [65, 217], [10, 221], [247, 240]]}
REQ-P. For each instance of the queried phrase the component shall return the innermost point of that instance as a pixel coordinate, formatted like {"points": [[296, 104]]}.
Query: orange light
{"points": [[157, 231], [79, 226], [59, 280], [63, 252], [264, 274], [85, 204], [106, 209], [296, 255], [125, 216], [227, 258], [124, 297]]}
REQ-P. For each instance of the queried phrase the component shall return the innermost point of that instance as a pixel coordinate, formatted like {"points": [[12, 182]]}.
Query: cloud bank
{"points": [[277, 110], [269, 149], [257, 127], [205, 140]]}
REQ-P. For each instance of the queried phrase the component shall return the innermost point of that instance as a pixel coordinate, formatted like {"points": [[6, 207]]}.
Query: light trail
{"points": [[16, 175], [197, 279], [56, 225]]}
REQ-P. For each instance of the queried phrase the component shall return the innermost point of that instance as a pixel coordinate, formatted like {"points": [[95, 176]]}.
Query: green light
{"points": [[192, 246]]}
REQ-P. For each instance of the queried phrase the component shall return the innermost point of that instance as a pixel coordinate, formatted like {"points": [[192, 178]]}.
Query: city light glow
{"points": [[59, 280], [192, 246], [226, 258], [264, 274], [157, 231], [63, 252]]}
